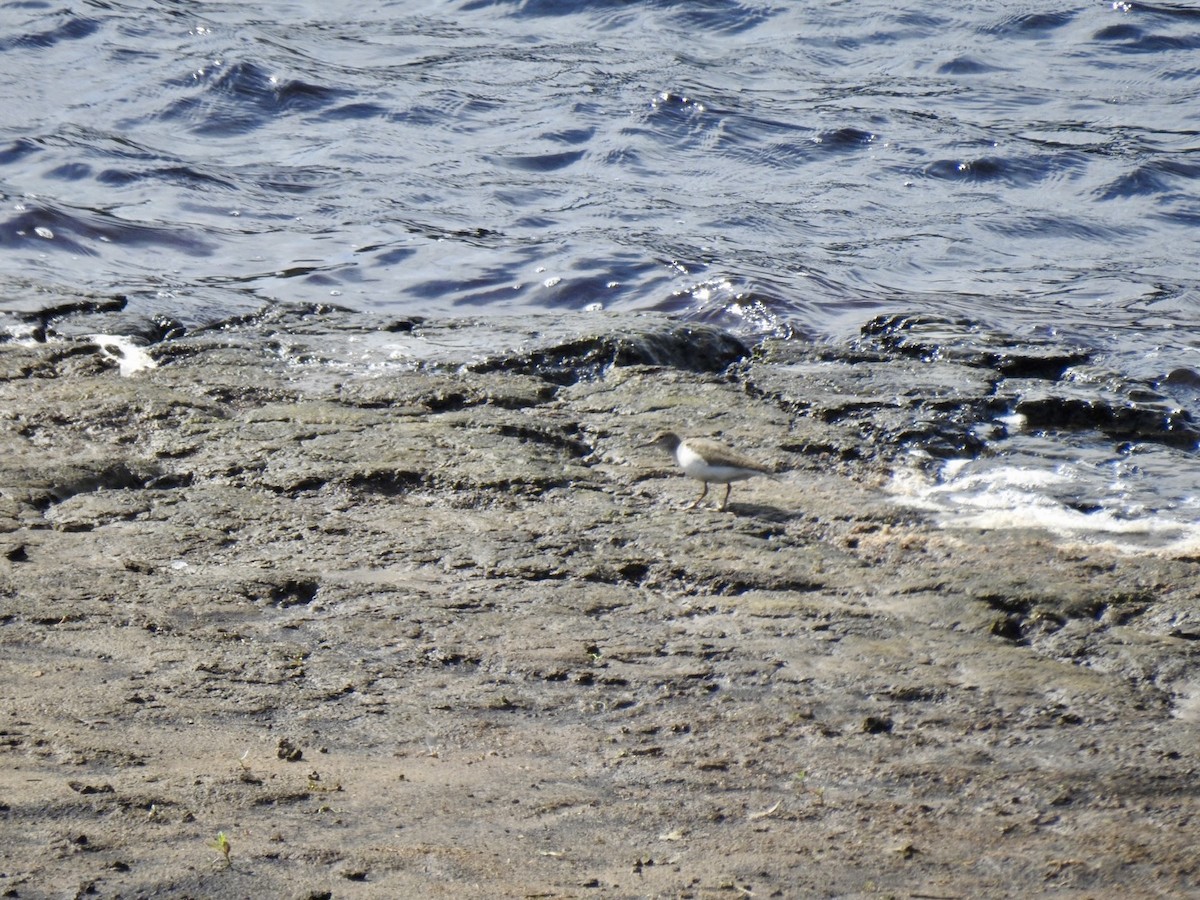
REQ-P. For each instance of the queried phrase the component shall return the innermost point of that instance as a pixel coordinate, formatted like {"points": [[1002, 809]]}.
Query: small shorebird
{"points": [[709, 462]]}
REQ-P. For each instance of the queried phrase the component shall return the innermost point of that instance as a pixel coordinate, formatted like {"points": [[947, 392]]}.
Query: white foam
{"points": [[130, 357], [1008, 497], [23, 333]]}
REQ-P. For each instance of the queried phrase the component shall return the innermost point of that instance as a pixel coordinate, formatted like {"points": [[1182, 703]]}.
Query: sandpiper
{"points": [[709, 462]]}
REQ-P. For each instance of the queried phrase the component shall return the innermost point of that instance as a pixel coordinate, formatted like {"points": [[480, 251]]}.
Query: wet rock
{"points": [[932, 338], [948, 387], [143, 329], [1123, 416], [41, 313], [878, 405], [690, 347], [504, 629]]}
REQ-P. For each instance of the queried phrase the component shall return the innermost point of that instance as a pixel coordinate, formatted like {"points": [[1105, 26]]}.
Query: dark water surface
{"points": [[777, 167]]}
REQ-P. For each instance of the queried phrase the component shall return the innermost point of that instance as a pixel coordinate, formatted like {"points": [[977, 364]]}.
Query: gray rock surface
{"points": [[400, 618]]}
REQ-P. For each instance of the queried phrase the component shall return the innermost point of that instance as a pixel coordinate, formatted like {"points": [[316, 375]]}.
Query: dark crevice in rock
{"points": [[118, 475], [451, 658], [877, 725], [551, 438], [401, 326], [170, 481], [243, 396], [1120, 608], [632, 572], [1022, 630], [451, 401], [303, 486], [389, 483], [385, 483], [694, 348], [747, 583], [293, 593]]}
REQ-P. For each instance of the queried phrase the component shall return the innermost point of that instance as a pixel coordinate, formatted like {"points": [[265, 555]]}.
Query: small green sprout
{"points": [[221, 845]]}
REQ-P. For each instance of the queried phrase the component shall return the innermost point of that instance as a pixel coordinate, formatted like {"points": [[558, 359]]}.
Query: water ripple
{"points": [[57, 228], [239, 97], [767, 165], [72, 29]]}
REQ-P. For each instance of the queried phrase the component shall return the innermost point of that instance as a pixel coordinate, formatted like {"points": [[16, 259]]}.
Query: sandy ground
{"points": [[454, 634]]}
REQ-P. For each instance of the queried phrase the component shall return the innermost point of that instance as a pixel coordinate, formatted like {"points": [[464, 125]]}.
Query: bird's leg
{"points": [[725, 502], [696, 502]]}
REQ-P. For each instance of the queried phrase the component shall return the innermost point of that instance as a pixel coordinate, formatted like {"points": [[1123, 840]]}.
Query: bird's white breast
{"points": [[695, 466]]}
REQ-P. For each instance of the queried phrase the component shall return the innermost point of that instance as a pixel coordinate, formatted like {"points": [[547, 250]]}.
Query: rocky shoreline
{"points": [[398, 618]]}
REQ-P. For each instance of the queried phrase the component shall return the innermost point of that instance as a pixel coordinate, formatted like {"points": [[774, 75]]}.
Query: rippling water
{"points": [[778, 167]]}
